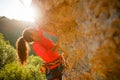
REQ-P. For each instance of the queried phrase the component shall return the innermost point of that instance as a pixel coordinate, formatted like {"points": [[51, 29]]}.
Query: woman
{"points": [[42, 47]]}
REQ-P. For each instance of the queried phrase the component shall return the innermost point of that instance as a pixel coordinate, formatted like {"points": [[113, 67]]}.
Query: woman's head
{"points": [[28, 35], [31, 35]]}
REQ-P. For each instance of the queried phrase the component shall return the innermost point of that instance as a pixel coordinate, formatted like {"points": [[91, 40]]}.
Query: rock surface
{"points": [[89, 32]]}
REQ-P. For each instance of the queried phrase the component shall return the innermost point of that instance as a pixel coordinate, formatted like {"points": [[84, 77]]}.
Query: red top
{"points": [[43, 49]]}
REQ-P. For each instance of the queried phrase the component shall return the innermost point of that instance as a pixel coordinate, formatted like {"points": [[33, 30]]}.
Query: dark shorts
{"points": [[55, 73]]}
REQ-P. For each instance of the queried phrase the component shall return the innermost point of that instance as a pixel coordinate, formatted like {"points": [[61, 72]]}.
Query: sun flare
{"points": [[27, 14]]}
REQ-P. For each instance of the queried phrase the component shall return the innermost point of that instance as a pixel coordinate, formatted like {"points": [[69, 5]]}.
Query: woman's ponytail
{"points": [[22, 50]]}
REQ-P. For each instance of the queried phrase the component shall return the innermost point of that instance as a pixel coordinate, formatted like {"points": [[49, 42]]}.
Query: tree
{"points": [[7, 52], [14, 71]]}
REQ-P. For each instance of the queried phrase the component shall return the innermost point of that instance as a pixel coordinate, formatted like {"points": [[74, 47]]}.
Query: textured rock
{"points": [[89, 32]]}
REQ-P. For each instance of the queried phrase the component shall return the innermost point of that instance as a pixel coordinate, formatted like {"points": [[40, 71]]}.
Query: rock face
{"points": [[89, 32]]}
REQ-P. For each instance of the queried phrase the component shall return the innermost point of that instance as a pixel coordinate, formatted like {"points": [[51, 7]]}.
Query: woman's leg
{"points": [[55, 74]]}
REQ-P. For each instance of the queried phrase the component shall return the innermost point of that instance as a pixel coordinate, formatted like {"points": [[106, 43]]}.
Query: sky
{"points": [[14, 9]]}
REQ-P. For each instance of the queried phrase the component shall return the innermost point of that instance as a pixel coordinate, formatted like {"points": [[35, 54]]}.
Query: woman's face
{"points": [[35, 35]]}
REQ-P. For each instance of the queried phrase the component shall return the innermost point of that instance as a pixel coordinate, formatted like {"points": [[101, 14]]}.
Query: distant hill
{"points": [[12, 29]]}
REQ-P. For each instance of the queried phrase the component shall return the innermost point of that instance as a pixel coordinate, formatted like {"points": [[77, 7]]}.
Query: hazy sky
{"points": [[14, 9]]}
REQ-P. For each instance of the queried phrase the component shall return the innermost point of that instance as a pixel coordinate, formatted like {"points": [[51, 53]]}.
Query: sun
{"points": [[28, 12]]}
